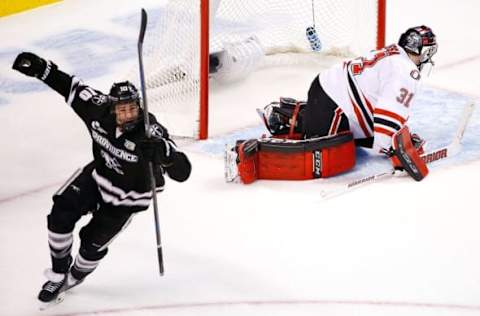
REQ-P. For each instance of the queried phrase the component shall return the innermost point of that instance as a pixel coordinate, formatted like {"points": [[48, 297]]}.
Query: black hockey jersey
{"points": [[121, 172]]}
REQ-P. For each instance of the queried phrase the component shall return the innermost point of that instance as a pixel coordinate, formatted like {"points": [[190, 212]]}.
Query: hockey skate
{"points": [[53, 291]]}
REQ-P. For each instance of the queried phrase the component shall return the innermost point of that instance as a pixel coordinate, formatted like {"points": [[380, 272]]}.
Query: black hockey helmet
{"points": [[419, 41], [125, 92]]}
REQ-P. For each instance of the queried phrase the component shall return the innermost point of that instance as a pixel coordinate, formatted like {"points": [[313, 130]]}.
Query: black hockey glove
{"points": [[158, 150], [31, 65]]}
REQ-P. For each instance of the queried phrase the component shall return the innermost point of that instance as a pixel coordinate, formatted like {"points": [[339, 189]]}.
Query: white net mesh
{"points": [[245, 36], [281, 25]]}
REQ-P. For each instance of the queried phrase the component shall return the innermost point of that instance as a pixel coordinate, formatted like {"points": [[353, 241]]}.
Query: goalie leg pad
{"points": [[278, 165], [285, 159], [338, 159], [307, 159]]}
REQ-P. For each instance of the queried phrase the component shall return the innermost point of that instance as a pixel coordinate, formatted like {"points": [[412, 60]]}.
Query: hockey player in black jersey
{"points": [[115, 185]]}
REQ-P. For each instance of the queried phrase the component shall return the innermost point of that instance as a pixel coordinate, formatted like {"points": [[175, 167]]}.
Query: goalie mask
{"points": [[284, 118], [420, 41], [125, 102]]}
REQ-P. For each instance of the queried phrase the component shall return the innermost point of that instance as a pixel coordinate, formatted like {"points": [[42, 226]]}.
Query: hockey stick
{"points": [[148, 133], [439, 154]]}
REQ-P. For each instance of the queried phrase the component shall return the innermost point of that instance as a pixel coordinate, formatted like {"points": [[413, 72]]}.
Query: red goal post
{"points": [[240, 36]]}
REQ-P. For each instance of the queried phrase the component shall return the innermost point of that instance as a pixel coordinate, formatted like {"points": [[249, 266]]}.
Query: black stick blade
{"points": [[143, 26]]}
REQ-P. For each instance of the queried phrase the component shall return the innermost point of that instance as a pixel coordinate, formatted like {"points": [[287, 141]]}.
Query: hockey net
{"points": [[244, 37]]}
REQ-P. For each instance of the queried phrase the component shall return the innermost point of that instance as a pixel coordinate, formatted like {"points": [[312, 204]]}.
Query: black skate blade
{"points": [[46, 305]]}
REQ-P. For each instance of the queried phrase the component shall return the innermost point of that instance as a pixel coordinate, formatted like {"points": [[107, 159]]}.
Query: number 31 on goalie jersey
{"points": [[405, 97]]}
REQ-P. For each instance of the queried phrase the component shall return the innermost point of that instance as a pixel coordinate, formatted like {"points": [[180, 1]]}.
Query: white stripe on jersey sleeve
{"points": [[73, 90]]}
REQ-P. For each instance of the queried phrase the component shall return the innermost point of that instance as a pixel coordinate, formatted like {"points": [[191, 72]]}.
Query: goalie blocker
{"points": [[286, 159], [406, 154]]}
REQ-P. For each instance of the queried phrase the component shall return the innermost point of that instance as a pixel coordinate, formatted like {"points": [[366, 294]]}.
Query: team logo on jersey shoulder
{"points": [[96, 126], [99, 99], [415, 74], [129, 145], [87, 93]]}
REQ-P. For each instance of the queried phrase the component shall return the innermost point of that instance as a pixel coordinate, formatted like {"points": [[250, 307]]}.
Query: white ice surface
{"points": [[271, 248]]}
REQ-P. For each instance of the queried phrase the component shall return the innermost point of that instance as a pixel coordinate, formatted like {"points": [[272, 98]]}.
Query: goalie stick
{"points": [[438, 154], [148, 132]]}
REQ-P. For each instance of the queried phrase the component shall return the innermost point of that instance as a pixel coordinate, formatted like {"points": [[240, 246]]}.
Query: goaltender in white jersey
{"points": [[362, 102], [372, 95], [375, 93]]}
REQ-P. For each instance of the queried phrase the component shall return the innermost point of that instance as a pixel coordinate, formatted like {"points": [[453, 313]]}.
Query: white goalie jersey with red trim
{"points": [[375, 92]]}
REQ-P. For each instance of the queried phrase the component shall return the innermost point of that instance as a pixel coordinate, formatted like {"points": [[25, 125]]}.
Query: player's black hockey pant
{"points": [[77, 197], [322, 115]]}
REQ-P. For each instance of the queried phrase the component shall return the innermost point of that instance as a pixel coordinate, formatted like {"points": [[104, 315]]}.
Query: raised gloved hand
{"points": [[158, 150], [30, 65]]}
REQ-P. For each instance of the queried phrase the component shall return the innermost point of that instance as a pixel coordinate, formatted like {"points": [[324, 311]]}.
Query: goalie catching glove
{"points": [[405, 154], [283, 119]]}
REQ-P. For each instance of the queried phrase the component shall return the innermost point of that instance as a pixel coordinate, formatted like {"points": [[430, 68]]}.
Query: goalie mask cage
{"points": [[197, 41]]}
